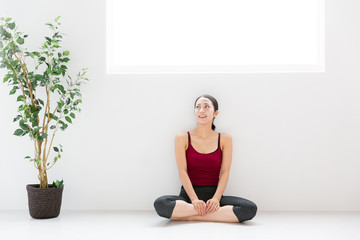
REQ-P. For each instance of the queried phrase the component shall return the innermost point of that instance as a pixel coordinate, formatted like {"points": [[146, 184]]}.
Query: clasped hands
{"points": [[203, 208]]}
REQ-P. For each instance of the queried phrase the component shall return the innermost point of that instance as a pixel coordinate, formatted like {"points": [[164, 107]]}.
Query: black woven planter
{"points": [[44, 202]]}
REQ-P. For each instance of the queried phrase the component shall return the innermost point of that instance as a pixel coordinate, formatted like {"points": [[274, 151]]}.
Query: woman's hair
{"points": [[214, 102]]}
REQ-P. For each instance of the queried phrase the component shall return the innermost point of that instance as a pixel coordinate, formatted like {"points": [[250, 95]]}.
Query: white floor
{"points": [[101, 225]]}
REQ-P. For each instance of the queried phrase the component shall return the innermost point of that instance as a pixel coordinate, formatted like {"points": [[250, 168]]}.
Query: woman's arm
{"points": [[180, 148], [225, 166]]}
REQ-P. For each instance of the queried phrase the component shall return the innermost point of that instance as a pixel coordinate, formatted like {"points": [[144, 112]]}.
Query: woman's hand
{"points": [[212, 205], [199, 206]]}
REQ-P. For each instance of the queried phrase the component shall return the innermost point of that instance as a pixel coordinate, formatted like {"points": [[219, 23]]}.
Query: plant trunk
{"points": [[43, 179], [41, 167]]}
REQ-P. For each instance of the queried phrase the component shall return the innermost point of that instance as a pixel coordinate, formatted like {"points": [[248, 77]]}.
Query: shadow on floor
{"points": [[173, 223]]}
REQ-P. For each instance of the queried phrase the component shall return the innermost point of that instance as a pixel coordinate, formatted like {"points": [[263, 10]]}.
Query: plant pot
{"points": [[44, 202]]}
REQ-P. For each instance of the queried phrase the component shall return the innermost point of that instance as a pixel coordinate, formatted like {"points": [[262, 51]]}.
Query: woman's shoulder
{"points": [[181, 139], [225, 137], [182, 136]]}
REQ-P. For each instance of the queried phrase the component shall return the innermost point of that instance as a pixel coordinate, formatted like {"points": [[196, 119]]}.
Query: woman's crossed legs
{"points": [[232, 209]]}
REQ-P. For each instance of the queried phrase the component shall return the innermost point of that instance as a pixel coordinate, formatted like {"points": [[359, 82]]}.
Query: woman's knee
{"points": [[164, 205], [246, 211]]}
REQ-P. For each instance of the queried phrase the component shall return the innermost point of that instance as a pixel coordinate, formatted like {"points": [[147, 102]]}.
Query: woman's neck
{"points": [[203, 131]]}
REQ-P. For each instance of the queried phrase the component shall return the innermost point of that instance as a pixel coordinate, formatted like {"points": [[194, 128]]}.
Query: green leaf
{"points": [[61, 88], [41, 102], [18, 132], [53, 127], [4, 33], [50, 25], [11, 25], [66, 53], [7, 77], [34, 123], [38, 76], [2, 54], [68, 119], [72, 115], [20, 98], [20, 40], [38, 162], [17, 118], [27, 114], [1, 45], [2, 30], [13, 91], [23, 125], [58, 184], [35, 113], [63, 127], [53, 116], [56, 149], [77, 102], [27, 157], [44, 135]]}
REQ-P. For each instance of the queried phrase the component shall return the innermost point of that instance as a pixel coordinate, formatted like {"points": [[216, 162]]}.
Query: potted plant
{"points": [[39, 118]]}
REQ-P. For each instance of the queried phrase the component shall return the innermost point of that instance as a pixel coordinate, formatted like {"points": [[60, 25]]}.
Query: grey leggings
{"points": [[244, 209]]}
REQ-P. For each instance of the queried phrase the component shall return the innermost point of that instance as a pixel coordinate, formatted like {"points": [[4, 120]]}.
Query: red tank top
{"points": [[203, 168]]}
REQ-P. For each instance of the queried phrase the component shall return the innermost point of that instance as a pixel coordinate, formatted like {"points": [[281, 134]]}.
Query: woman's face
{"points": [[204, 110]]}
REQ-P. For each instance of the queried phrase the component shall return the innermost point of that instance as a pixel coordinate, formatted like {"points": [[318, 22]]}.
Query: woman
{"points": [[204, 173]]}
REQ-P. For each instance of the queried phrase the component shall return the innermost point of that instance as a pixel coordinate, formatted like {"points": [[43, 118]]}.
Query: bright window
{"points": [[214, 36]]}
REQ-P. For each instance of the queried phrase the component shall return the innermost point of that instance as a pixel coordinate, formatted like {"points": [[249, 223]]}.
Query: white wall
{"points": [[295, 135]]}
